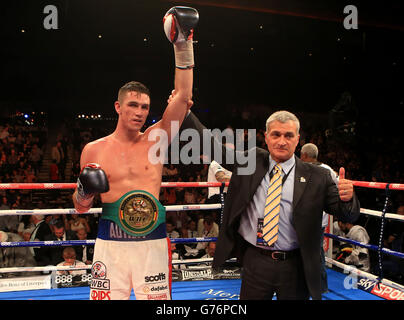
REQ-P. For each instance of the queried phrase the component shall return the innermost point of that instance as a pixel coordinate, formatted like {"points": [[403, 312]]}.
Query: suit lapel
{"points": [[302, 175], [262, 167]]}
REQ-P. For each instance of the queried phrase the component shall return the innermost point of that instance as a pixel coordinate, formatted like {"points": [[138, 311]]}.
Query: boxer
{"points": [[132, 250]]}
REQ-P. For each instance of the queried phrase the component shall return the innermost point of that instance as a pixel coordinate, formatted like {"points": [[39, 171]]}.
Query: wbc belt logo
{"points": [[138, 213]]}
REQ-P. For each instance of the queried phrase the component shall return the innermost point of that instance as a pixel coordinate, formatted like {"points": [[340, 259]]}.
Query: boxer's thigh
{"points": [[151, 270], [111, 274]]}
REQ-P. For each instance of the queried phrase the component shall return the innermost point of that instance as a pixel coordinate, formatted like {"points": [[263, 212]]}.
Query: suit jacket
{"points": [[80, 252], [54, 255], [314, 192], [43, 230]]}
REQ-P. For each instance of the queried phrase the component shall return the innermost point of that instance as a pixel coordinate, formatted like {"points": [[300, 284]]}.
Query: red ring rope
{"points": [[41, 186]]}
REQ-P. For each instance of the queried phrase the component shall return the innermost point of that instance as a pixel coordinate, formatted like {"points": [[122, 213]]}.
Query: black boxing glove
{"points": [[179, 24], [92, 180]]}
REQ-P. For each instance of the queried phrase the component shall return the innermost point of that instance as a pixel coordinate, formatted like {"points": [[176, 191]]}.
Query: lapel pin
{"points": [[302, 179]]}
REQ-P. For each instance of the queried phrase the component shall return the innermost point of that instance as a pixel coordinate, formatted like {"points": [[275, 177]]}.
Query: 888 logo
{"points": [[68, 279]]}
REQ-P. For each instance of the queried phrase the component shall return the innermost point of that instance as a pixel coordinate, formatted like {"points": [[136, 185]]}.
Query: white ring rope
{"points": [[375, 213], [87, 267], [358, 272], [187, 207]]}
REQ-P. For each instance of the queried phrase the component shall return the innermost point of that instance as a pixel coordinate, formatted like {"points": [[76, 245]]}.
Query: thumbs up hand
{"points": [[345, 186]]}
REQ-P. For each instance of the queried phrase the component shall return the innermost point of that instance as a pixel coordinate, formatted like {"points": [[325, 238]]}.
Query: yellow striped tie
{"points": [[272, 207]]}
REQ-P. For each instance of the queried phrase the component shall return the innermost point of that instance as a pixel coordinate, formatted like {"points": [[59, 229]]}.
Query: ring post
{"points": [[380, 246]]}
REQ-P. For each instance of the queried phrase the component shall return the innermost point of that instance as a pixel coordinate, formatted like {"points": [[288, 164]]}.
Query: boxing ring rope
{"points": [[55, 186], [87, 242], [189, 207], [353, 270], [88, 267], [364, 245]]}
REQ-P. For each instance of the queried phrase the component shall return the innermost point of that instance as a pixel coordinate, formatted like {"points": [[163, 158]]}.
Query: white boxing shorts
{"points": [[132, 250], [120, 266]]}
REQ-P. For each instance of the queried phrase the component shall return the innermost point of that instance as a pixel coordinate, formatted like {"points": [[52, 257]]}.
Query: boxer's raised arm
{"points": [[179, 24]]}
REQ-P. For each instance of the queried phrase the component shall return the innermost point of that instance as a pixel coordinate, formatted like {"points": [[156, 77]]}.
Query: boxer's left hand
{"points": [[345, 186], [179, 24]]}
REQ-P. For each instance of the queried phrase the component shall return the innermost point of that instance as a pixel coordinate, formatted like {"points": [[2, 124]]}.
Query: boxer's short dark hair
{"points": [[133, 86]]}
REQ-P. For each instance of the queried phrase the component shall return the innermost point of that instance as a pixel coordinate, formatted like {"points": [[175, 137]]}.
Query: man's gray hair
{"points": [[283, 116], [311, 150], [39, 217]]}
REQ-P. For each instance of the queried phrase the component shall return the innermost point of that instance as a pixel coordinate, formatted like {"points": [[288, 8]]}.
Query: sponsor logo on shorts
{"points": [[99, 270], [147, 289], [162, 296], [100, 295], [99, 274], [156, 278]]}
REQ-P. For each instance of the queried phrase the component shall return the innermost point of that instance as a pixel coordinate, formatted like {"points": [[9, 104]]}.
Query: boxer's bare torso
{"points": [[124, 155], [126, 164]]}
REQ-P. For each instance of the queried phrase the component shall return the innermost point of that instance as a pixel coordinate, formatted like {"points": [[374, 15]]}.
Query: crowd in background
{"points": [[22, 150]]}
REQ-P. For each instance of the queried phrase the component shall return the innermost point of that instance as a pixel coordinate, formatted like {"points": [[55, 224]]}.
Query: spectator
{"points": [[359, 256], [25, 224], [190, 196], [170, 172], [179, 192], [85, 253], [26, 235], [171, 232], [169, 195], [77, 222], [210, 250], [53, 255], [8, 223], [41, 230], [4, 203], [309, 153], [4, 133], [54, 172], [69, 257], [393, 267], [35, 158], [188, 251], [59, 157], [12, 159], [15, 256], [29, 174], [75, 171], [189, 231], [207, 227]]}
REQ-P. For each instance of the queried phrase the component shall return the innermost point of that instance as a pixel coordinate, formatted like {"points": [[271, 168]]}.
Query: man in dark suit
{"points": [[54, 255], [290, 267], [39, 233], [85, 253]]}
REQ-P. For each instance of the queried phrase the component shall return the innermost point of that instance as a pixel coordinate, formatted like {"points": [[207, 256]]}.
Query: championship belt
{"points": [[137, 213]]}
